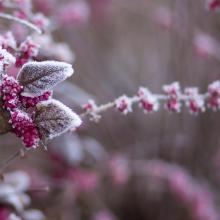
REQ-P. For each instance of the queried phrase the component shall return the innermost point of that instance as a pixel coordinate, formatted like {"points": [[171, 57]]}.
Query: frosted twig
{"points": [[11, 159], [135, 99], [20, 21]]}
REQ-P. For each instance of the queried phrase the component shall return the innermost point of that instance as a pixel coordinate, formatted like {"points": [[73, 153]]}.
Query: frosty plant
{"points": [[28, 109], [173, 98]]}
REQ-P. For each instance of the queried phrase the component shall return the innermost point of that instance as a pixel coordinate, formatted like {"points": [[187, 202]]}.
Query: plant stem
{"points": [[20, 21], [11, 159]]}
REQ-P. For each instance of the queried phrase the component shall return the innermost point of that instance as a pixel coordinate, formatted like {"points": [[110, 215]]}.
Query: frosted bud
{"points": [[194, 101], [214, 95], [123, 104], [173, 102], [148, 101]]}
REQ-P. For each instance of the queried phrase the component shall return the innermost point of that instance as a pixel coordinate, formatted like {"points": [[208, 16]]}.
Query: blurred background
{"points": [[139, 166]]}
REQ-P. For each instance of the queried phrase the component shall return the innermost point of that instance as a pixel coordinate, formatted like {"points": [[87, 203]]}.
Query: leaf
{"points": [[39, 77], [53, 118]]}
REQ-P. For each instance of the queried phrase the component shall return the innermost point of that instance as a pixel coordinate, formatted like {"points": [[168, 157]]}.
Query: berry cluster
{"points": [[24, 127], [22, 123], [28, 102], [10, 90]]}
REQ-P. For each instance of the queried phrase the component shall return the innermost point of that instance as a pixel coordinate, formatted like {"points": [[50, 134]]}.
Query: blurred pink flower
{"points": [[103, 215]]}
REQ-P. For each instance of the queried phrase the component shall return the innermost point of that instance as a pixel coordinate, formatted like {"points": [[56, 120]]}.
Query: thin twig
{"points": [[20, 21], [11, 159]]}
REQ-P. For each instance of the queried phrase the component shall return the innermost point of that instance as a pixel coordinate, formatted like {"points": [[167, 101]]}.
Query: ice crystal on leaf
{"points": [[39, 77], [54, 118]]}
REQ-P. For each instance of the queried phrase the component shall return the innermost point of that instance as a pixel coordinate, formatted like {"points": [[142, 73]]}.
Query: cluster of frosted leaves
{"points": [[51, 117]]}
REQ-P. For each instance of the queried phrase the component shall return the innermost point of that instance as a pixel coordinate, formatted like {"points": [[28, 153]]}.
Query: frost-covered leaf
{"points": [[54, 118], [39, 77]]}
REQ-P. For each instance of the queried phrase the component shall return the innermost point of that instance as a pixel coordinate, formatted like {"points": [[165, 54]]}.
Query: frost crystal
{"points": [[54, 118], [39, 77]]}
